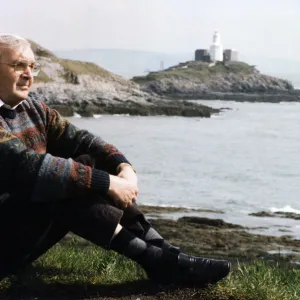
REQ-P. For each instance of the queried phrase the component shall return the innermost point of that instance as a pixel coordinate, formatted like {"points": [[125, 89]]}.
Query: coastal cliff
{"points": [[224, 81], [82, 87]]}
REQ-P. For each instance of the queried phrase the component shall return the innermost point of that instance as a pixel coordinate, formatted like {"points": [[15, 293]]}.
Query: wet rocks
{"points": [[277, 214], [171, 209], [216, 238], [206, 222], [262, 214], [213, 241]]}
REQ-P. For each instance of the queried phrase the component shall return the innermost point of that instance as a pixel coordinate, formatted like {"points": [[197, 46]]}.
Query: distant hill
{"points": [[127, 63], [87, 88], [130, 63]]}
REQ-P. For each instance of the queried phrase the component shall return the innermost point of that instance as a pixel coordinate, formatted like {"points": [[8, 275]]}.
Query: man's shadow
{"points": [[30, 285]]}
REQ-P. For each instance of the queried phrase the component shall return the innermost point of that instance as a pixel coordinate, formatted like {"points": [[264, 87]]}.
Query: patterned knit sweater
{"points": [[37, 148]]}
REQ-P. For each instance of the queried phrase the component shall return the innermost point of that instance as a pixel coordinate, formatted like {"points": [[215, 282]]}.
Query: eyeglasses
{"points": [[21, 66]]}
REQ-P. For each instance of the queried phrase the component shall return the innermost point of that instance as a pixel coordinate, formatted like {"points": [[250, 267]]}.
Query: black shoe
{"points": [[187, 270], [201, 271]]}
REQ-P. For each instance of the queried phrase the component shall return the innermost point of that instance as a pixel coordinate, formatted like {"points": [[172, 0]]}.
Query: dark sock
{"points": [[135, 248], [152, 234], [141, 228], [152, 237]]}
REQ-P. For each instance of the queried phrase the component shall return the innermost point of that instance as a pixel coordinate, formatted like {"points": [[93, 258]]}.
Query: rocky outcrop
{"points": [[230, 81], [203, 222], [87, 89], [277, 214]]}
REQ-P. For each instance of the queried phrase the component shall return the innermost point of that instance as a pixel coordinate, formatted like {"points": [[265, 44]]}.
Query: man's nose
{"points": [[27, 73]]}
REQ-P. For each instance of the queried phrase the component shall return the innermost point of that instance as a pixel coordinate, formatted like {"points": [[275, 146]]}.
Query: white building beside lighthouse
{"points": [[216, 49]]}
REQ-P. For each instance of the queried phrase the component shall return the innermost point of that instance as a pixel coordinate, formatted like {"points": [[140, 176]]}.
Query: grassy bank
{"points": [[74, 270], [197, 70]]}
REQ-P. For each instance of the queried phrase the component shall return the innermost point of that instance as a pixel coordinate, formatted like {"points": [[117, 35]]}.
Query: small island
{"points": [[231, 80], [217, 74]]}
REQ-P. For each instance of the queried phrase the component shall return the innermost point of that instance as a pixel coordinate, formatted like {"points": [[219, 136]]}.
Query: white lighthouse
{"points": [[216, 49]]}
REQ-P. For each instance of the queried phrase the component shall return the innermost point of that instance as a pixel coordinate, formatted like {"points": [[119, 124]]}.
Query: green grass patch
{"points": [[42, 77], [197, 70], [75, 268], [262, 280], [39, 50], [72, 68], [81, 68]]}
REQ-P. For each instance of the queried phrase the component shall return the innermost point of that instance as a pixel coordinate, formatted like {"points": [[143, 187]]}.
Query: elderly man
{"points": [[57, 179]]}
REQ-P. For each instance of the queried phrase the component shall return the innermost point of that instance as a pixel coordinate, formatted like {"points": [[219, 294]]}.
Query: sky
{"points": [[269, 28]]}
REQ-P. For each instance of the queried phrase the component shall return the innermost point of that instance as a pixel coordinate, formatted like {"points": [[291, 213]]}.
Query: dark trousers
{"points": [[28, 230]]}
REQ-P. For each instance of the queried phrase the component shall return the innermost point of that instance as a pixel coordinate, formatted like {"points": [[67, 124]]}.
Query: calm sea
{"points": [[244, 160]]}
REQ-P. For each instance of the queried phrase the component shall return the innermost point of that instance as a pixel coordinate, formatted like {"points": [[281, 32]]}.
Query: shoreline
{"points": [[175, 106], [276, 224], [239, 97], [218, 237], [159, 108]]}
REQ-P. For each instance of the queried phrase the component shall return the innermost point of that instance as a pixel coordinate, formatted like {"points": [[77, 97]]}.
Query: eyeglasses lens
{"points": [[22, 66]]}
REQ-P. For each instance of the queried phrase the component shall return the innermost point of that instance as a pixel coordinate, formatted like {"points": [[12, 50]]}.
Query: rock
{"points": [[231, 81], [150, 209], [210, 241], [288, 215], [85, 88], [262, 214], [208, 222], [279, 214]]}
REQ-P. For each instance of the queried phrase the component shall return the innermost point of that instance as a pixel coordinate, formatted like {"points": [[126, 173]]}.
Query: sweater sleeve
{"points": [[44, 176], [66, 140]]}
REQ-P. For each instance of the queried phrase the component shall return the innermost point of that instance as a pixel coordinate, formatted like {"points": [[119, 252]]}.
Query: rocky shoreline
{"points": [[241, 97], [152, 108], [277, 214], [217, 238]]}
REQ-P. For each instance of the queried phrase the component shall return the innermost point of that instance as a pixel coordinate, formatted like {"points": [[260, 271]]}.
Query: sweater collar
{"points": [[23, 101]]}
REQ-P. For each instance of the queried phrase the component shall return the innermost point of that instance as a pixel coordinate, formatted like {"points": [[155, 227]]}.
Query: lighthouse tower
{"points": [[216, 49]]}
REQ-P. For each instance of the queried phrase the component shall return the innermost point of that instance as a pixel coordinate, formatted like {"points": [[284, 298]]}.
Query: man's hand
{"points": [[122, 191], [127, 172]]}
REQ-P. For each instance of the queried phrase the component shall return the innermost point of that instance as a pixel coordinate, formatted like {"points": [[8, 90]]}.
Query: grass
{"points": [[197, 70], [74, 270], [39, 50], [81, 68], [42, 77], [72, 68]]}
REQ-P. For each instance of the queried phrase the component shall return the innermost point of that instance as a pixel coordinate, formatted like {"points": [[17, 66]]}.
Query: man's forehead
{"points": [[16, 54]]}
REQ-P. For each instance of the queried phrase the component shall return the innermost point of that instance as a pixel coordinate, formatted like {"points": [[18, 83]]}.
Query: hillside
{"points": [[83, 87], [129, 63], [124, 62], [234, 81]]}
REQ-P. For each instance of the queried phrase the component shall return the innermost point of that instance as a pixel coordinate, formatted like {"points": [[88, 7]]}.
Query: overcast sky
{"points": [[268, 28]]}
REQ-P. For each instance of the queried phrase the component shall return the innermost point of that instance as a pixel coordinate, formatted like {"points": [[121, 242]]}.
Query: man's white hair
{"points": [[13, 41]]}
